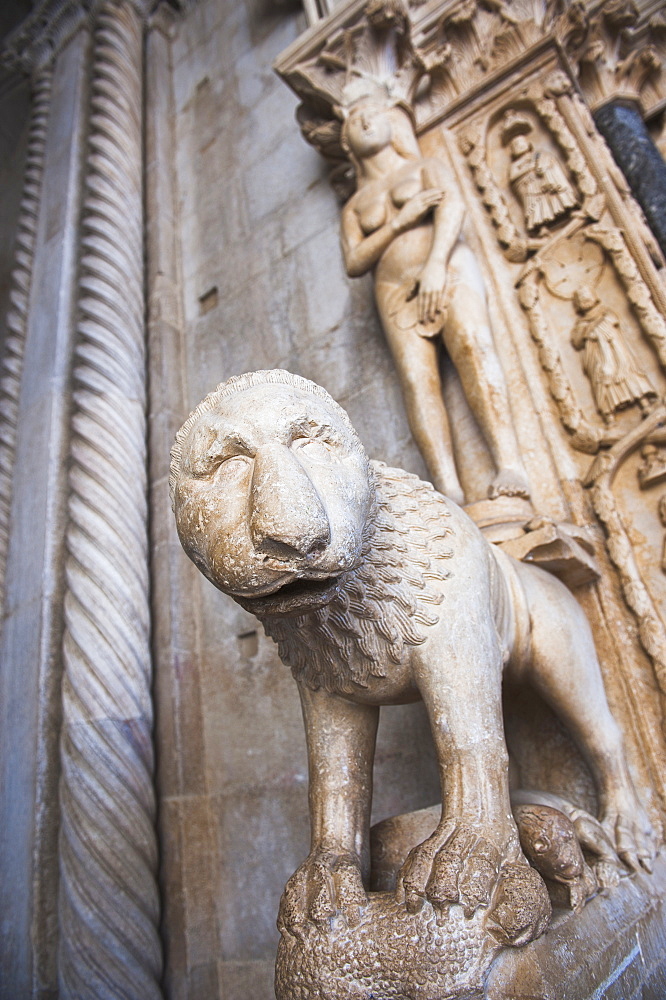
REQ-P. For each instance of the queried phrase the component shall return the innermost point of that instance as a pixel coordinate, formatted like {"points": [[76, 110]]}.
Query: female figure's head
{"points": [[372, 126], [367, 129]]}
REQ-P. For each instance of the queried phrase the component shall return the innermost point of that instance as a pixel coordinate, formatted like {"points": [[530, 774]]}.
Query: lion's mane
{"points": [[384, 605]]}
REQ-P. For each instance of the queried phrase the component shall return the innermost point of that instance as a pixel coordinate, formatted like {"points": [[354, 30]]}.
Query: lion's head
{"points": [[271, 489]]}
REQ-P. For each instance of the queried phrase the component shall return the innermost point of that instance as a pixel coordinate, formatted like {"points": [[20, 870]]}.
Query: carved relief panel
{"points": [[586, 274]]}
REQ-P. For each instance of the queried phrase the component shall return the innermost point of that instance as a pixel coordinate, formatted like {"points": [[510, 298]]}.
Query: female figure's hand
{"points": [[416, 209], [432, 283]]}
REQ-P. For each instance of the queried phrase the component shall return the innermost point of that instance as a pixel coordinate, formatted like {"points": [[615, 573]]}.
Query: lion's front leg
{"points": [[341, 744], [474, 856]]}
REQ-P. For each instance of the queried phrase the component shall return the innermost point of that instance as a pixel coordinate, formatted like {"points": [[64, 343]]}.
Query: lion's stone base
{"points": [[614, 949], [388, 955]]}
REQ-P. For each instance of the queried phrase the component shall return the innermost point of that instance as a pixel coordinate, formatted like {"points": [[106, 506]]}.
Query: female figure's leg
{"points": [[469, 340], [417, 365]]}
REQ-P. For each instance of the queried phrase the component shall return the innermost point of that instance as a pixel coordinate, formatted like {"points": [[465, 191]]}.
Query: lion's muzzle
{"points": [[288, 520]]}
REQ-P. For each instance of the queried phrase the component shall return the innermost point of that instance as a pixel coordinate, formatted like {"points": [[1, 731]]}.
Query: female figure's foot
{"points": [[509, 483]]}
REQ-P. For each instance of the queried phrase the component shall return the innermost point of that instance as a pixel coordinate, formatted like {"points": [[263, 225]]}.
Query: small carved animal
{"points": [[549, 841], [380, 591]]}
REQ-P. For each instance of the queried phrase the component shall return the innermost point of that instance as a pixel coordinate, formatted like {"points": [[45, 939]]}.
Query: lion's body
{"points": [[422, 557], [380, 591]]}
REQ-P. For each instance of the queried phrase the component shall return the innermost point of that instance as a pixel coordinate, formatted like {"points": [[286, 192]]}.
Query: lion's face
{"points": [[271, 498]]}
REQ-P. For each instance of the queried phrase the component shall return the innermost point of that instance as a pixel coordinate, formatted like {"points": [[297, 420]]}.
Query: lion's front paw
{"points": [[452, 866], [326, 885]]}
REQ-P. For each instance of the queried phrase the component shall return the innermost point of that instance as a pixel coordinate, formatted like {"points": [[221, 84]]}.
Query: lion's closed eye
{"points": [[227, 465], [315, 449]]}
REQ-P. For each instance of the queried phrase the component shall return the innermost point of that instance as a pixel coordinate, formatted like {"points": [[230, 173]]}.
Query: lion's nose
{"points": [[287, 516]]}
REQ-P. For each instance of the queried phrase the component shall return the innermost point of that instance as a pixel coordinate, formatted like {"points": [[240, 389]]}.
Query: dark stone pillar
{"points": [[639, 159]]}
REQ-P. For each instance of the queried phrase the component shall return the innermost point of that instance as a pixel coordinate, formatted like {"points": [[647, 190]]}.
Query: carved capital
{"points": [[422, 57], [430, 55], [614, 60]]}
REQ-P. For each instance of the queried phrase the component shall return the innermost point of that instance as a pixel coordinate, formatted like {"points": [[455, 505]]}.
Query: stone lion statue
{"points": [[378, 591]]}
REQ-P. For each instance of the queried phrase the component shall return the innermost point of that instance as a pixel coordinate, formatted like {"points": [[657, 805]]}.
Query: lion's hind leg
{"points": [[564, 668]]}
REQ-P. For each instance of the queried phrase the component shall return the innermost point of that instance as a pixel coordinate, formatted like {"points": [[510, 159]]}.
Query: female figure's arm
{"points": [[362, 252], [448, 218]]}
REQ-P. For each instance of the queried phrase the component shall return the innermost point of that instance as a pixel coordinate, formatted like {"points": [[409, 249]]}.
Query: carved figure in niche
{"points": [[616, 379], [549, 841], [536, 177], [404, 223], [379, 591]]}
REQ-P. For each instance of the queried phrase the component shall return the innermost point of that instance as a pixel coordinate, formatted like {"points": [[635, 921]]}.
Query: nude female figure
{"points": [[404, 222]]}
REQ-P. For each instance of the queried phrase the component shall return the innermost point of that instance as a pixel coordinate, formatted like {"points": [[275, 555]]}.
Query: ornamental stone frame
{"points": [[93, 635]]}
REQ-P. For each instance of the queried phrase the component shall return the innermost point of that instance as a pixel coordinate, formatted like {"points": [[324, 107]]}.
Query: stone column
{"points": [[108, 902], [623, 128]]}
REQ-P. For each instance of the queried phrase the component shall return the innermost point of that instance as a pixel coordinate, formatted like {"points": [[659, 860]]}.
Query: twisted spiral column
{"points": [[11, 367], [108, 903]]}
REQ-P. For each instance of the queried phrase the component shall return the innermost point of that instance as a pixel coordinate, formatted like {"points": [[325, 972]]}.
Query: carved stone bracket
{"points": [[463, 45], [614, 61]]}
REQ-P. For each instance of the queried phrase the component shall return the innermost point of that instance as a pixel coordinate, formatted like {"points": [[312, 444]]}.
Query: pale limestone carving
{"points": [[584, 436], [378, 590], [405, 224], [44, 32], [108, 899], [616, 380], [17, 317], [612, 51], [571, 252], [568, 847], [548, 838]]}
